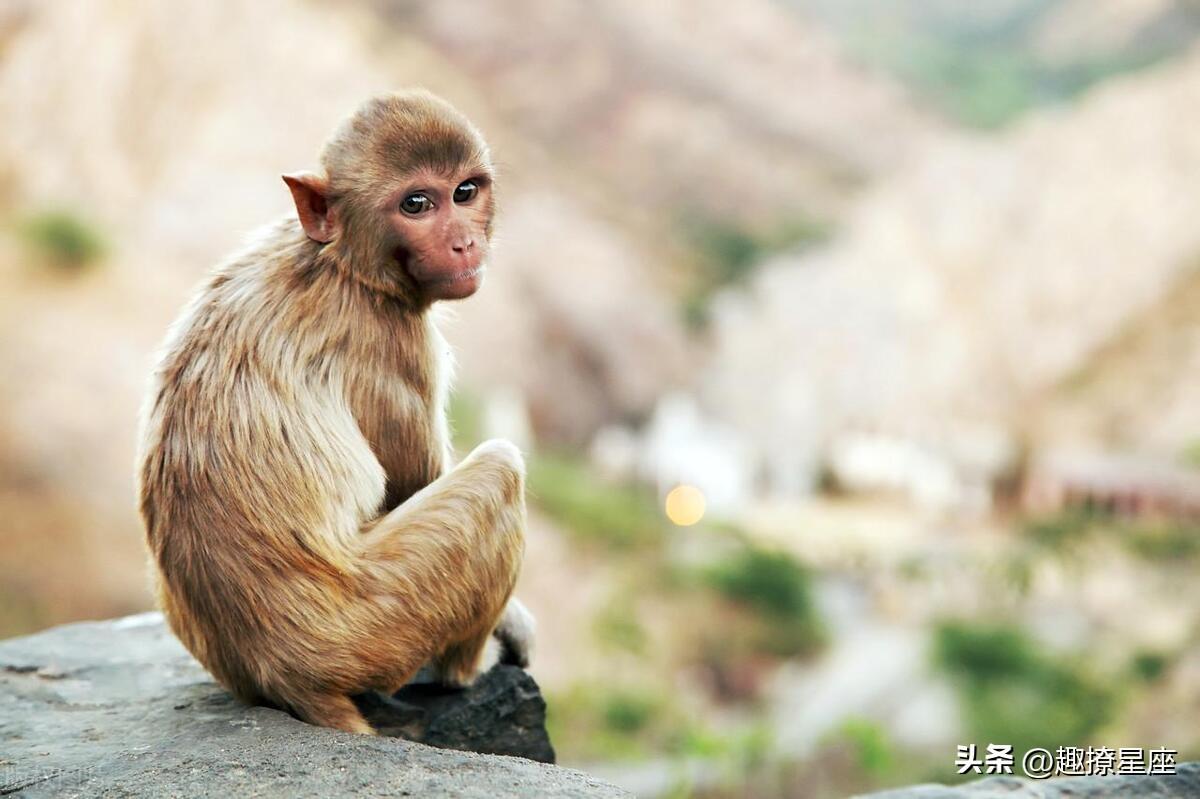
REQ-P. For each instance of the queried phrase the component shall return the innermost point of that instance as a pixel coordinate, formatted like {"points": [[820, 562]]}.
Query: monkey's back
{"points": [[254, 474]]}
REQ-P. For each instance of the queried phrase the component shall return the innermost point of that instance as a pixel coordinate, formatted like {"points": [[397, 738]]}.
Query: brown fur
{"points": [[310, 539]]}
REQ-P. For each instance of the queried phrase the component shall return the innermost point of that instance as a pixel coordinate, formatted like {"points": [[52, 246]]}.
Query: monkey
{"points": [[308, 536]]}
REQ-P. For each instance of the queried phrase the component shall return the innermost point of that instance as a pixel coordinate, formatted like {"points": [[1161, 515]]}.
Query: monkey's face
{"points": [[443, 224]]}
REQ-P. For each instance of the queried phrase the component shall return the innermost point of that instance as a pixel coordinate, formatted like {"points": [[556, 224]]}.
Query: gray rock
{"points": [[119, 708], [1184, 784]]}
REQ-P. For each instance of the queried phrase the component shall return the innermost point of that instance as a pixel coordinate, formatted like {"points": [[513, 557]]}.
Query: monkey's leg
{"points": [[461, 663], [436, 574], [446, 562]]}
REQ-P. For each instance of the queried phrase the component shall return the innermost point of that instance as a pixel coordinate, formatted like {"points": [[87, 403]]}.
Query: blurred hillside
{"points": [[1138, 392], [985, 64], [970, 285]]}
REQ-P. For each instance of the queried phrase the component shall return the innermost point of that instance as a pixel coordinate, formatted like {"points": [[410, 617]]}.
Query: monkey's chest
{"points": [[402, 429]]}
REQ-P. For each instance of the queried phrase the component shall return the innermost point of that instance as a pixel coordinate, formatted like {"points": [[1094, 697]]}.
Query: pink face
{"points": [[443, 224]]}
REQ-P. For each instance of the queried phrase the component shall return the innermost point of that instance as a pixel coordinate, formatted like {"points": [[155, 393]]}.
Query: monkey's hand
{"points": [[515, 633]]}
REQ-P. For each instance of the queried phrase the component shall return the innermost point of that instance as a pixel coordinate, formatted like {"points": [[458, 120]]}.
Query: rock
{"points": [[1184, 784], [118, 708], [502, 714]]}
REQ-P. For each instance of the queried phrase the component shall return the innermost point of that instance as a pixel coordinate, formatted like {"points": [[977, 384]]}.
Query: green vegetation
{"points": [[596, 721], [599, 721], [991, 86], [617, 627], [985, 67], [1061, 531], [764, 595], [628, 713], [1149, 666], [730, 253], [983, 89], [612, 515], [1191, 454], [873, 751], [1165, 542], [1159, 541], [63, 239], [779, 589], [1014, 693]]}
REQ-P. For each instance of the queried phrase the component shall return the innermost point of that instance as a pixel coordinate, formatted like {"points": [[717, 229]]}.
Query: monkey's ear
{"points": [[311, 194]]}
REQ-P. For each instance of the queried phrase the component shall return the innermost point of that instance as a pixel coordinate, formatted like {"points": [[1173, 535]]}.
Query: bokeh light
{"points": [[685, 505]]}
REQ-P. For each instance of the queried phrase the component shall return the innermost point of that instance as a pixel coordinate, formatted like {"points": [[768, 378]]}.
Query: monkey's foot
{"points": [[515, 633]]}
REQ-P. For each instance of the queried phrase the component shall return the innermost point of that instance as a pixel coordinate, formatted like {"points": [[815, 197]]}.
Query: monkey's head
{"points": [[406, 202]]}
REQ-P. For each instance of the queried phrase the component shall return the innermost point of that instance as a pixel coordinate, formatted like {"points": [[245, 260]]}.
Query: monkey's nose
{"points": [[463, 245]]}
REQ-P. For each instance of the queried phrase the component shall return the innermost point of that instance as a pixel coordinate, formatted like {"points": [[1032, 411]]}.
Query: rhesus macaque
{"points": [[310, 536]]}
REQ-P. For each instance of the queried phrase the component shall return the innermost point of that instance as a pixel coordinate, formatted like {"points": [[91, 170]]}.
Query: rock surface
{"points": [[1184, 784], [118, 708]]}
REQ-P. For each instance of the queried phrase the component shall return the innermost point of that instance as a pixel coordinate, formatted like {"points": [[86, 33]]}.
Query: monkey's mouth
{"points": [[439, 277], [444, 283], [457, 277], [456, 286]]}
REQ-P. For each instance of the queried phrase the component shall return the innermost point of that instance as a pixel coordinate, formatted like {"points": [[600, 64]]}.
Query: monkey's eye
{"points": [[415, 204], [465, 192]]}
